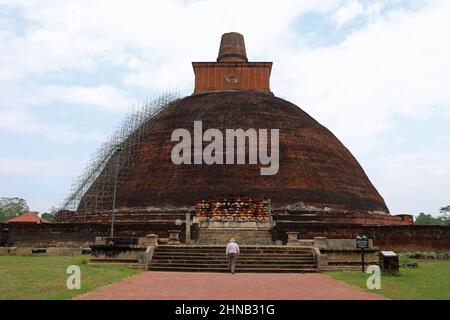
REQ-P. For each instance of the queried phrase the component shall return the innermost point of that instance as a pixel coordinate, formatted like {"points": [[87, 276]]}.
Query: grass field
{"points": [[44, 277], [430, 281]]}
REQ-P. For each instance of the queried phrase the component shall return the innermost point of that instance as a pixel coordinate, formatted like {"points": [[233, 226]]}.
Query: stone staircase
{"points": [[209, 258]]}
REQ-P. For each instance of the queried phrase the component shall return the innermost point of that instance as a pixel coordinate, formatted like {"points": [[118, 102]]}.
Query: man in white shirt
{"points": [[232, 252]]}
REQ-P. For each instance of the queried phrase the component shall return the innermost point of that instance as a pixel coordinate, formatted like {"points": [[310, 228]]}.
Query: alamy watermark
{"points": [[373, 281], [74, 279], [222, 146]]}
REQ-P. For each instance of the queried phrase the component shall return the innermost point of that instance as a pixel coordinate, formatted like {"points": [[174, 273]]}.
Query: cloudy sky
{"points": [[376, 73]]}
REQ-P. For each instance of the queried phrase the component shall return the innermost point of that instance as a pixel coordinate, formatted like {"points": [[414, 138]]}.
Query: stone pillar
{"points": [[188, 228], [100, 241], [320, 242], [149, 240], [174, 237], [321, 260], [152, 239], [292, 238]]}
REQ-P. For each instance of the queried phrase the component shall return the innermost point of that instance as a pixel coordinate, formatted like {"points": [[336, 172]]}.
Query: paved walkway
{"points": [[218, 286]]}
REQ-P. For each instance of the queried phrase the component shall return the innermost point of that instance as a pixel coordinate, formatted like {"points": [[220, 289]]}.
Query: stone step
{"points": [[238, 270], [252, 259], [244, 248], [272, 265], [214, 247], [212, 261], [242, 251], [222, 256], [218, 261], [292, 253]]}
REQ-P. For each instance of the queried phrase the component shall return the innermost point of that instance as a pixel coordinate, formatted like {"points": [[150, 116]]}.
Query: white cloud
{"points": [[151, 42], [348, 12], [396, 65], [39, 181], [103, 96], [31, 168], [416, 182], [163, 34], [17, 120]]}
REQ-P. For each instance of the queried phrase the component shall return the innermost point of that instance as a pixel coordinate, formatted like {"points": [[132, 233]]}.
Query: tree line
{"points": [[14, 206], [428, 219]]}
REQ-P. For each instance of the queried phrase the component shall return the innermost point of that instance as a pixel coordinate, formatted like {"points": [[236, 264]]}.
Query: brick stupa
{"points": [[316, 171]]}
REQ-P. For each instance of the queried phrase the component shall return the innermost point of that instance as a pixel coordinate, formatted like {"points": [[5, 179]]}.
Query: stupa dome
{"points": [[315, 168]]}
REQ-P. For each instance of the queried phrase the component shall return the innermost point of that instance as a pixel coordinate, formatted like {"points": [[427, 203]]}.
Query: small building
{"points": [[388, 261], [28, 217]]}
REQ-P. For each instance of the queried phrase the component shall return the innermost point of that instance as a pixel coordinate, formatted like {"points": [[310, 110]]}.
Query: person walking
{"points": [[232, 252]]}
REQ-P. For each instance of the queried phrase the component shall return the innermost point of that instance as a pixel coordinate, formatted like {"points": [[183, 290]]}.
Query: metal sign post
{"points": [[362, 242], [362, 259]]}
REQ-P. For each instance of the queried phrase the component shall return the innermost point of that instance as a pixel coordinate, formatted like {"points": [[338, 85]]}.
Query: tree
{"points": [[12, 207], [428, 219], [50, 215], [425, 219], [445, 210], [444, 219]]}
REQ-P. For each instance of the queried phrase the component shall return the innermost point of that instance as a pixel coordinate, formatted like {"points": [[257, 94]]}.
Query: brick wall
{"points": [[408, 237], [393, 237], [82, 234], [212, 76], [233, 208], [126, 217], [343, 217], [238, 206]]}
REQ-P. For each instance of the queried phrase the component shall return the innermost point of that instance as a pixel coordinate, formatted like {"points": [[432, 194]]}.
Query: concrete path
{"points": [[224, 286]]}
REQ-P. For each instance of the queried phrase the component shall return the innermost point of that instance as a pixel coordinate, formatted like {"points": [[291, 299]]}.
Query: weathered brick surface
{"points": [[406, 237], [127, 217], [315, 167], [82, 234], [238, 208], [212, 76], [342, 217], [233, 208], [232, 93], [393, 237]]}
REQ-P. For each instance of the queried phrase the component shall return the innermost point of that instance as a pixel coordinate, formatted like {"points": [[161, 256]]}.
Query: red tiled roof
{"points": [[28, 217]]}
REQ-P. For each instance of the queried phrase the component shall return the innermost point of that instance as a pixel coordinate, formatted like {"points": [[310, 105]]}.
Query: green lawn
{"points": [[430, 281], [44, 277]]}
